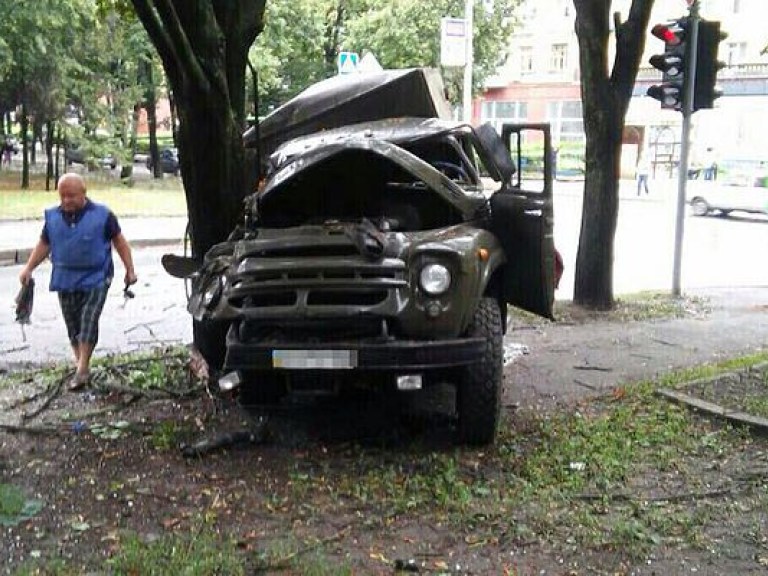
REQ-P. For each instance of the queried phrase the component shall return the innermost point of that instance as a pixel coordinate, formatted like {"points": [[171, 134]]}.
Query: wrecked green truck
{"points": [[381, 251]]}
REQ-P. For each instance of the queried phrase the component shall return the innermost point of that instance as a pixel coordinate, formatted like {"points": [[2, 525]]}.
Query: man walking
{"points": [[78, 235]]}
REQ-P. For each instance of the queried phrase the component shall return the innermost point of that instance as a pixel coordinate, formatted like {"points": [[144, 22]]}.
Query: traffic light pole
{"points": [[682, 177]]}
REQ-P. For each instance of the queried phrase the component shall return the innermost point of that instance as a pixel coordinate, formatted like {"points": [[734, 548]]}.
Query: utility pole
{"points": [[469, 35], [687, 110]]}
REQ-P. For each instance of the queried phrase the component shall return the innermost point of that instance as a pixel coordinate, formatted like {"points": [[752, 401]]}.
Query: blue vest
{"points": [[81, 253]]}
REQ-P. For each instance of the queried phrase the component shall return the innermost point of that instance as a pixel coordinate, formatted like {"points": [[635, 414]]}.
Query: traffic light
{"points": [[673, 63], [707, 65]]}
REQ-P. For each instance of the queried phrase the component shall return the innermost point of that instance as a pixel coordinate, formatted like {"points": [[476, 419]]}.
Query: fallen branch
{"points": [[683, 497], [37, 430], [585, 385], [125, 389], [142, 362], [225, 440], [55, 391], [595, 368]]}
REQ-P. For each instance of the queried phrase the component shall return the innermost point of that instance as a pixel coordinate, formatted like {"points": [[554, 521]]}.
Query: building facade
{"points": [[539, 82]]}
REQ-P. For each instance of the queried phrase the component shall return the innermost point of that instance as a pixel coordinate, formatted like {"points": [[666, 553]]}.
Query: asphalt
{"points": [[555, 362]]}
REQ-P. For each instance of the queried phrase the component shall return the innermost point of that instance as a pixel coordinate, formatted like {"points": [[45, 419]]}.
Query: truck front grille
{"points": [[312, 287]]}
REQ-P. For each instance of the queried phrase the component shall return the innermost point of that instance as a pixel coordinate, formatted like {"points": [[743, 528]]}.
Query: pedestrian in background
{"points": [[643, 168], [79, 234], [7, 152], [710, 164]]}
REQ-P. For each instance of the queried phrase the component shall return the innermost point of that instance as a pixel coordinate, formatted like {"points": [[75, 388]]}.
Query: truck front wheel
{"points": [[478, 394]]}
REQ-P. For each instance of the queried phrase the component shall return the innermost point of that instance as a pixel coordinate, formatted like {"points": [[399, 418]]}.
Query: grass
{"points": [[144, 198], [199, 552]]}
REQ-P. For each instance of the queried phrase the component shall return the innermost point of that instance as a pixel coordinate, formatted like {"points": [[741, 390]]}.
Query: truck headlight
{"points": [[435, 279]]}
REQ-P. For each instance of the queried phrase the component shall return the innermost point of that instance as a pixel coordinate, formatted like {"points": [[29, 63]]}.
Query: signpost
{"points": [[453, 42], [347, 62]]}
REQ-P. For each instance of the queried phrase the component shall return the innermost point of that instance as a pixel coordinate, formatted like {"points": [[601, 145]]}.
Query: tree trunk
{"points": [[154, 153], [57, 168], [594, 261], [605, 96], [49, 136], [204, 48], [213, 175], [24, 148]]}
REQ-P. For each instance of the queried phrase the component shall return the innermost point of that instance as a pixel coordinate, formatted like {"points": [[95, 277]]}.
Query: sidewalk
{"points": [[567, 362], [18, 237]]}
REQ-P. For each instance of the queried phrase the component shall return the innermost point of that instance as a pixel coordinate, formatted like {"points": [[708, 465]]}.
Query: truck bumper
{"points": [[376, 355]]}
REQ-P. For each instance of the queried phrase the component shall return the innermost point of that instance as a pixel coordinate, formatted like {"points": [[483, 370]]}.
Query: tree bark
{"points": [[24, 148], [605, 99], [49, 137]]}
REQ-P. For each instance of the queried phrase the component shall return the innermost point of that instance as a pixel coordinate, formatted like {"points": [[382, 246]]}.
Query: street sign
{"points": [[347, 62], [453, 42]]}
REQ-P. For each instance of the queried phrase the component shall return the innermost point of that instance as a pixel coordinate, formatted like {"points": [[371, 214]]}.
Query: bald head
{"points": [[71, 190]]}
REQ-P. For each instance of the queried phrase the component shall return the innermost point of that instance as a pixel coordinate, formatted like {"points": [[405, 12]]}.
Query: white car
{"points": [[710, 196]]}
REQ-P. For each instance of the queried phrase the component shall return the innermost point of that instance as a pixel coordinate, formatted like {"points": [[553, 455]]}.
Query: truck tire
{"points": [[478, 394], [210, 337], [700, 206]]}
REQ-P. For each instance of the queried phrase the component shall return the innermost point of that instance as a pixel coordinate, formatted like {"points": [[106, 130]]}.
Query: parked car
{"points": [[74, 154], [169, 161], [372, 257], [714, 196]]}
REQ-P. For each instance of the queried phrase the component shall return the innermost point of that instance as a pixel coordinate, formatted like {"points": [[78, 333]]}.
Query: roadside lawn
{"points": [[142, 198]]}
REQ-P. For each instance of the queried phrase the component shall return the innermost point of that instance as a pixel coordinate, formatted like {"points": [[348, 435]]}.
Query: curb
{"points": [[14, 256]]}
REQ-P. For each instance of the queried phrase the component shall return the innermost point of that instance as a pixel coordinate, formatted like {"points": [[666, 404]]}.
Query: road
{"points": [[156, 316], [718, 252]]}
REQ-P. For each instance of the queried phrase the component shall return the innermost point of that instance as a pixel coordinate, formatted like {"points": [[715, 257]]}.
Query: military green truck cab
{"points": [[375, 255]]}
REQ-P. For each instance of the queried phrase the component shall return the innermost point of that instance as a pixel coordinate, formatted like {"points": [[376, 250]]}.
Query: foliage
{"points": [[15, 507], [300, 42], [68, 64]]}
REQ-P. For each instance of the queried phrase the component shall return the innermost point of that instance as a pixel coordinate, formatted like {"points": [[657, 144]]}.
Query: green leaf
{"points": [[15, 507]]}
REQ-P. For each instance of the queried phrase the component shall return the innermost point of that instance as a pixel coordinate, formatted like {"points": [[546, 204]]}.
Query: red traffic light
{"points": [[671, 34]]}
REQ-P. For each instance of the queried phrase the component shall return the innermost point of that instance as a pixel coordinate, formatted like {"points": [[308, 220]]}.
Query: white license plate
{"points": [[315, 359]]}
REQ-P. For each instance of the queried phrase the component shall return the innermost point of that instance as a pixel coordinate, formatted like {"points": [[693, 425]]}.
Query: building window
{"points": [[565, 117], [499, 112], [526, 60], [559, 59], [735, 53]]}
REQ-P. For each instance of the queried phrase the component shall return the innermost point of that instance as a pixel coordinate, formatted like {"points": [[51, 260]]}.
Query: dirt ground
{"points": [[120, 469]]}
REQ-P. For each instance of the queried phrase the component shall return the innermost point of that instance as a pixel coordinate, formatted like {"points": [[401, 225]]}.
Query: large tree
{"points": [[204, 48], [605, 94]]}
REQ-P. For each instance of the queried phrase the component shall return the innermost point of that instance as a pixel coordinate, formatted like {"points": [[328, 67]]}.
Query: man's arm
{"points": [[123, 250], [39, 253]]}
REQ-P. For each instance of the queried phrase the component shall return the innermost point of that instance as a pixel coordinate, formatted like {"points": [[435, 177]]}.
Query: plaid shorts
{"points": [[81, 310]]}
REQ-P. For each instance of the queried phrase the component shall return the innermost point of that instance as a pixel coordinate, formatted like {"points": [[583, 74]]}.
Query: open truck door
{"points": [[522, 219]]}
